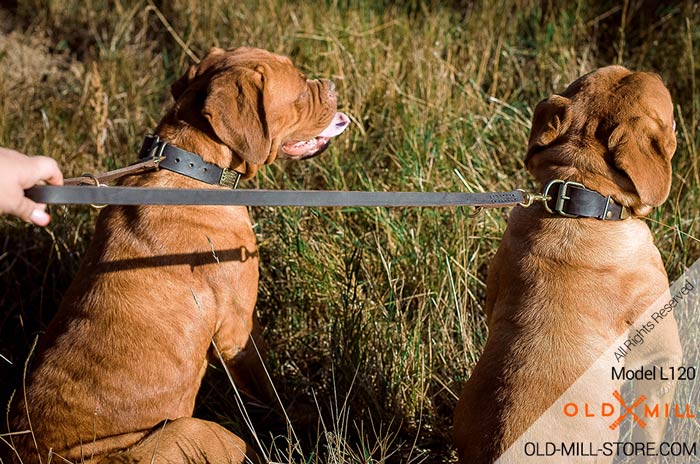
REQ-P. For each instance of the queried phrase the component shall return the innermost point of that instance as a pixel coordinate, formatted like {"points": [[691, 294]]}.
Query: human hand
{"points": [[19, 172]]}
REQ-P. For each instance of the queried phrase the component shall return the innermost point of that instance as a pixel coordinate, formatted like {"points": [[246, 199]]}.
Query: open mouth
{"points": [[315, 146]]}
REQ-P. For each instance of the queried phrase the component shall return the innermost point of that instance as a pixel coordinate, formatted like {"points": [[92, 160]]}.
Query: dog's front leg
{"points": [[238, 341], [247, 366]]}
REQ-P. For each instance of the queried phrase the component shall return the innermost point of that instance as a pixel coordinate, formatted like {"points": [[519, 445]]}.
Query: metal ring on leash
{"points": [[97, 184]]}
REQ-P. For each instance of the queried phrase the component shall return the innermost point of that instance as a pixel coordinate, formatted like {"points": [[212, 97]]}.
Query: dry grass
{"points": [[374, 316]]}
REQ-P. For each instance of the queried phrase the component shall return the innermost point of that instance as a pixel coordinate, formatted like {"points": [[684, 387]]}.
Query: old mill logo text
{"points": [[639, 410]]}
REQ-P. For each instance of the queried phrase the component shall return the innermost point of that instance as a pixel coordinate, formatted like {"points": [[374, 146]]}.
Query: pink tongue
{"points": [[339, 123]]}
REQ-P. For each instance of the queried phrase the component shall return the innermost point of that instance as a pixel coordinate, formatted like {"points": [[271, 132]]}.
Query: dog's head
{"points": [[613, 130], [259, 106]]}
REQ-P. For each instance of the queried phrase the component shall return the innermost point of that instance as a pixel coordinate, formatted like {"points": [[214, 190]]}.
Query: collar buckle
{"points": [[156, 152], [561, 197], [152, 149]]}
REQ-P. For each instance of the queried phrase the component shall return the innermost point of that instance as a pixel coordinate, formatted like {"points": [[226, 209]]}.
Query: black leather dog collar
{"points": [[188, 164], [572, 199]]}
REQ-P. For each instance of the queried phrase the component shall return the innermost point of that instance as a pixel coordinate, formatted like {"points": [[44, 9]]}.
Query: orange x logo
{"points": [[628, 410]]}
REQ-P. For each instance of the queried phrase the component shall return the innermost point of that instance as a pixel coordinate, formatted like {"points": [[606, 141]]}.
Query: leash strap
{"points": [[98, 179], [157, 153], [85, 195], [564, 198]]}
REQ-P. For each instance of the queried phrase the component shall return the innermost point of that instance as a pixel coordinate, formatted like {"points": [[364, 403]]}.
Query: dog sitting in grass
{"points": [[164, 290], [570, 277]]}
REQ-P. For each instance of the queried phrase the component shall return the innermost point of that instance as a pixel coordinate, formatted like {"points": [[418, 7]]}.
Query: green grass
{"points": [[373, 316]]}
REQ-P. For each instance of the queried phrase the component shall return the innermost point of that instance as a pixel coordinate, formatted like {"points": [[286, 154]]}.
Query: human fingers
{"points": [[31, 212], [46, 169]]}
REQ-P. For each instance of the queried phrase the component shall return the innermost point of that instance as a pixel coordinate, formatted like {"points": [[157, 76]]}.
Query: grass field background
{"points": [[373, 316]]}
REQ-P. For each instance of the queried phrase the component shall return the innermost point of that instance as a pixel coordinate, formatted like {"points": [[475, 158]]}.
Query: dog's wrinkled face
{"points": [[260, 106], [612, 130]]}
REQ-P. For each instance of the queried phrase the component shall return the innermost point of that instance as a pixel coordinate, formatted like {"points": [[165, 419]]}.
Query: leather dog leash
{"points": [[568, 201], [84, 195], [565, 198]]}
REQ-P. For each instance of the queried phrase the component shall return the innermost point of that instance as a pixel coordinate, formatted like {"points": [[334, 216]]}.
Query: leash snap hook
{"points": [[530, 198]]}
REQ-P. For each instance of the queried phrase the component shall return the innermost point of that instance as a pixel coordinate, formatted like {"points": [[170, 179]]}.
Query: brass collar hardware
{"points": [[573, 200], [561, 197], [229, 178]]}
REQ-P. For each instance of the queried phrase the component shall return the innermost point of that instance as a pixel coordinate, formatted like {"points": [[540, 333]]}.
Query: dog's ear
{"points": [[551, 119], [234, 107], [642, 147], [178, 87]]}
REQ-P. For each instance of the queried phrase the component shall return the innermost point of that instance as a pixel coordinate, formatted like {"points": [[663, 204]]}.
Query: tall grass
{"points": [[373, 316]]}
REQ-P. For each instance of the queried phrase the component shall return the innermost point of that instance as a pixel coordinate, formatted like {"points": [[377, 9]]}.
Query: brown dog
{"points": [[164, 289], [561, 289]]}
